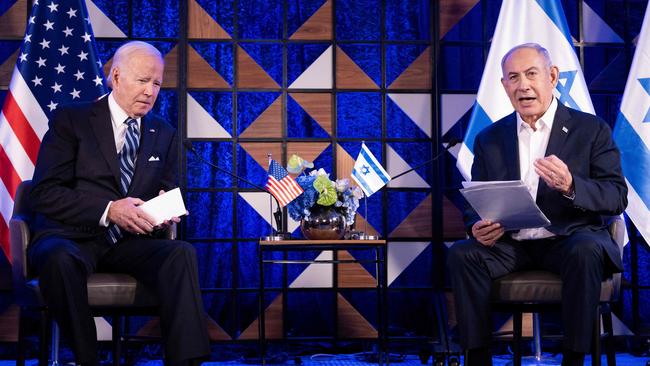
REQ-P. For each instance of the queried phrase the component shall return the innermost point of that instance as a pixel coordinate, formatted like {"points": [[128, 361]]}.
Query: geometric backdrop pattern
{"points": [[245, 78]]}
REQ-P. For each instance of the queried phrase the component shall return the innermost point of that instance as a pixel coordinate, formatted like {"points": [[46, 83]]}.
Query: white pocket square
{"points": [[154, 158]]}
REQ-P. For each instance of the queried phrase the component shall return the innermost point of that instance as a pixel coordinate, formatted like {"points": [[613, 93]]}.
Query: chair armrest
{"points": [[19, 237]]}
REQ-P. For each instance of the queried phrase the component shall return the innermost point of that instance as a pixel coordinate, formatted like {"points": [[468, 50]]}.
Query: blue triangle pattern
{"points": [[300, 123], [415, 153], [299, 12], [367, 57], [7, 48], [419, 272], [219, 56], [249, 169], [200, 174], [400, 125], [300, 57], [5, 5], [115, 11], [268, 56], [222, 12], [250, 106], [249, 222], [207, 206], [465, 28], [401, 204], [399, 57], [218, 105]]}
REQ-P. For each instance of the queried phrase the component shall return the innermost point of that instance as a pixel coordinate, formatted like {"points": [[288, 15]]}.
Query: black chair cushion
{"points": [[536, 287]]}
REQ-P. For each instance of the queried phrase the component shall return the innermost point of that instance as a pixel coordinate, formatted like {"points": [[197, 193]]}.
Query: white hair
{"points": [[534, 46], [126, 50]]}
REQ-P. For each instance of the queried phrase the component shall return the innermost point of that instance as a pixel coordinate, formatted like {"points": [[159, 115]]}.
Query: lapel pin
{"points": [[152, 130], [566, 130]]}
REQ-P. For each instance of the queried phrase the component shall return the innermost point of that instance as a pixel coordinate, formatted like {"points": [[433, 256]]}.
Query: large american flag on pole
{"points": [[57, 65]]}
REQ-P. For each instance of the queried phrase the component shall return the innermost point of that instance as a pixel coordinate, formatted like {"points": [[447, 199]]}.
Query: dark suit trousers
{"points": [[578, 259], [167, 267]]}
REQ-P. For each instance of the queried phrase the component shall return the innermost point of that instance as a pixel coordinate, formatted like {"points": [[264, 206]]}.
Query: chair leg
{"points": [[595, 341], [20, 347], [42, 339], [516, 332], [117, 340], [609, 338]]}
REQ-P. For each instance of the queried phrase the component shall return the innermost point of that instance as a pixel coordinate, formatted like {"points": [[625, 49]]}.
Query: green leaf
{"points": [[326, 189]]}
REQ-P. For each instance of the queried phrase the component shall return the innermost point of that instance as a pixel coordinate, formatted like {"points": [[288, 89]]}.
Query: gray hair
{"points": [[126, 50], [534, 46]]}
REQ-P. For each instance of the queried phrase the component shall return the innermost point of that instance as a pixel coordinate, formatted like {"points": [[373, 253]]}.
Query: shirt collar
{"points": [[545, 120], [118, 115]]}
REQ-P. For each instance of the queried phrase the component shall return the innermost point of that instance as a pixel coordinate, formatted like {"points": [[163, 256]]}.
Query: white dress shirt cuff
{"points": [[103, 221]]}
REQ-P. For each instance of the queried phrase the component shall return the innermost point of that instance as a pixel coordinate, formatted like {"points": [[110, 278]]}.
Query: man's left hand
{"points": [[167, 223], [555, 174]]}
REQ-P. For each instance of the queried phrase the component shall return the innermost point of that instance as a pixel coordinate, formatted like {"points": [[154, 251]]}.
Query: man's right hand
{"points": [[128, 216], [487, 232]]}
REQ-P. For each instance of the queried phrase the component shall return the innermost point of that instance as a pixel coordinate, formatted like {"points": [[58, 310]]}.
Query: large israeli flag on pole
{"points": [[632, 133], [524, 21]]}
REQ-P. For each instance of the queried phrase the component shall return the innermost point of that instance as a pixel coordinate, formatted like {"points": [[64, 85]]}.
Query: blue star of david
{"points": [[365, 170], [645, 83], [565, 88]]}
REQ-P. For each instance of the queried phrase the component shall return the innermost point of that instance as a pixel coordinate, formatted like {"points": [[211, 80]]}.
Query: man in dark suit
{"points": [[97, 164], [569, 163]]}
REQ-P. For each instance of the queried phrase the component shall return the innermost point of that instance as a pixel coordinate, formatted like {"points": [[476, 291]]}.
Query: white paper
{"points": [[164, 207], [506, 202]]}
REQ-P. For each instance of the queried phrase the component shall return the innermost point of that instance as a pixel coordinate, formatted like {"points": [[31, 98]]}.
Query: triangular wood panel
{"points": [[318, 106], [215, 332], [349, 75], [170, 76], [361, 224], [417, 223], [306, 150], [453, 226], [452, 11], [12, 22], [9, 321], [267, 124], [7, 68], [200, 74], [259, 151], [353, 274], [250, 74], [417, 75], [150, 329], [351, 323], [273, 319], [344, 163], [318, 26], [202, 25]]}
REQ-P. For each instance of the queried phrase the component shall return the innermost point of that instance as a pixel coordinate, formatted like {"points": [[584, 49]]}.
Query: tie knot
{"points": [[130, 122]]}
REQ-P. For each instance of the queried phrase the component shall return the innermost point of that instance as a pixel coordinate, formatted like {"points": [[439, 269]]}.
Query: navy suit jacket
{"points": [[584, 143], [78, 172]]}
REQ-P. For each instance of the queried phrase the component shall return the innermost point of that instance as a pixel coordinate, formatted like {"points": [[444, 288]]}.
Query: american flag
{"points": [[57, 65], [281, 185]]}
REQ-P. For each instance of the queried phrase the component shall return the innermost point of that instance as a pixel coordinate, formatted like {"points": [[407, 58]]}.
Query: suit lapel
{"points": [[100, 120], [510, 146], [148, 137], [562, 126]]}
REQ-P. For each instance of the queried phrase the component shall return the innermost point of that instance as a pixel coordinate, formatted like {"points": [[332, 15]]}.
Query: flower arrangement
{"points": [[322, 192]]}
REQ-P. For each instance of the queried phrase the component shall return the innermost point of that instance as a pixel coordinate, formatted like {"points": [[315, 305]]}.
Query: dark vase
{"points": [[325, 223]]}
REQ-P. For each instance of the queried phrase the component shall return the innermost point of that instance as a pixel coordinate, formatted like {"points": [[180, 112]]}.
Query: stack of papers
{"points": [[164, 207], [506, 202]]}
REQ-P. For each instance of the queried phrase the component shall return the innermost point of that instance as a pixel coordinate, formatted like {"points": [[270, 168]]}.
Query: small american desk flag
{"points": [[281, 185], [57, 65]]}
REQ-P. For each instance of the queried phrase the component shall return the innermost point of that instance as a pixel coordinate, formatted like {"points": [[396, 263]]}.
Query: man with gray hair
{"points": [[97, 164], [570, 164]]}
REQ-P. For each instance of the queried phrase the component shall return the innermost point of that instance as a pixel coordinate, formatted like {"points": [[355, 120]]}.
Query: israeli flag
{"points": [[524, 21], [632, 133], [368, 173]]}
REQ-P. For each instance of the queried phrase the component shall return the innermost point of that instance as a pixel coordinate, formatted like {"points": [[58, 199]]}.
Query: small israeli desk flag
{"points": [[368, 172]]}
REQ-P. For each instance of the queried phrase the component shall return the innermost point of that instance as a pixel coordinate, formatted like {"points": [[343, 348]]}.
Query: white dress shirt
{"points": [[118, 117], [532, 146]]}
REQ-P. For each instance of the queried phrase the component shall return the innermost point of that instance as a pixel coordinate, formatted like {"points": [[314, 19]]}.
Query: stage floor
{"points": [[622, 359]]}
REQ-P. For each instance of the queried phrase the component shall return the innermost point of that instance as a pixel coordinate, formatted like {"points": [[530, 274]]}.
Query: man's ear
{"points": [[555, 75]]}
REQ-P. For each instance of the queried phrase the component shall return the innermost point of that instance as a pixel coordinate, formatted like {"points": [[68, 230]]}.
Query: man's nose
{"points": [[148, 90]]}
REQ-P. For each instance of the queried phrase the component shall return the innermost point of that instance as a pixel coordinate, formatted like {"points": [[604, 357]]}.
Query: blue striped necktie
{"points": [[128, 157]]}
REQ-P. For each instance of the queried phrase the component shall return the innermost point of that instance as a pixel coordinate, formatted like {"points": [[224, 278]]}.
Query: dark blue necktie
{"points": [[128, 156]]}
